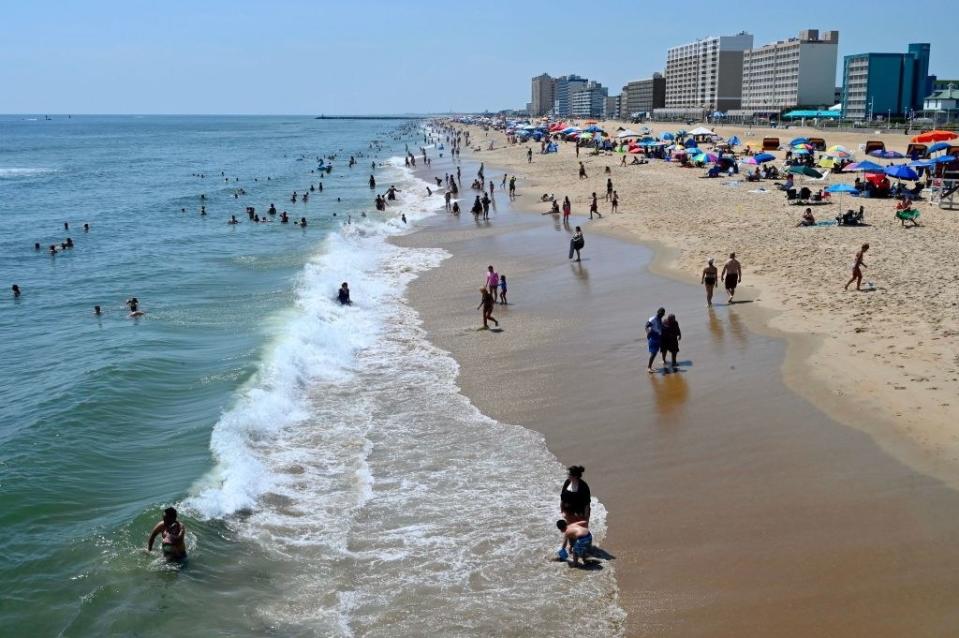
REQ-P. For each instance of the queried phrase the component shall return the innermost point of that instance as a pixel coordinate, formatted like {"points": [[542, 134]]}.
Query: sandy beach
{"points": [[736, 507], [885, 361]]}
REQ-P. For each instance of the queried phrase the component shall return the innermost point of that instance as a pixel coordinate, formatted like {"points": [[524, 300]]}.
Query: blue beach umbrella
{"points": [[887, 154], [866, 166], [734, 141], [668, 136], [921, 163], [939, 146], [799, 140], [800, 151], [840, 188], [764, 157], [944, 159], [901, 171]]}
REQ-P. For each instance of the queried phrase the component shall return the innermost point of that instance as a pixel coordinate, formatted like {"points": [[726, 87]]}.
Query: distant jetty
{"points": [[370, 117]]}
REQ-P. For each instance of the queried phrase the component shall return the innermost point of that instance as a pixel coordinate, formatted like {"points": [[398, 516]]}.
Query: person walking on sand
{"points": [[709, 280], [502, 290], [654, 337], [582, 170], [614, 205], [670, 339], [576, 243], [594, 207], [857, 267], [609, 188], [567, 209], [529, 155], [732, 275], [486, 303]]}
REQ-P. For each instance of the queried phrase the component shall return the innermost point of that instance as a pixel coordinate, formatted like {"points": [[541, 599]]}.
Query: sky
{"points": [[376, 57]]}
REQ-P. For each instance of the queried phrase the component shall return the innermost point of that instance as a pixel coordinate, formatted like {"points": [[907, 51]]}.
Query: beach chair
{"points": [[911, 216]]}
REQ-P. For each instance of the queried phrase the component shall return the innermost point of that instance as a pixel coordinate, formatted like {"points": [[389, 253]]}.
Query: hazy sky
{"points": [[366, 56]]}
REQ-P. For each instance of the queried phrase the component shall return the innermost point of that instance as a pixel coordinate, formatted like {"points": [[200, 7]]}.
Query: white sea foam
{"points": [[389, 502], [14, 172]]}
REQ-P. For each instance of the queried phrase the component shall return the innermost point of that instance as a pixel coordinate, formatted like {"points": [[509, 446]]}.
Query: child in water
{"points": [[502, 289]]}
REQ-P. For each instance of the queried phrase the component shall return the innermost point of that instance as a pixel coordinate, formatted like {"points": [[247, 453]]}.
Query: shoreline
{"points": [[917, 426], [660, 565]]}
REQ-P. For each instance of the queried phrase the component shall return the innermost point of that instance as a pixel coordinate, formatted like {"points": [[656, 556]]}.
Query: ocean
{"points": [[334, 480]]}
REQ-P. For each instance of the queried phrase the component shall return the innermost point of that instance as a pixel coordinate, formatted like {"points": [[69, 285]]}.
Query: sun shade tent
{"points": [[875, 145], [920, 150], [770, 143], [934, 136], [817, 143]]}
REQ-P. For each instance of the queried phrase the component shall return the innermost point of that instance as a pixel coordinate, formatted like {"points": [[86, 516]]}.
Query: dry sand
{"points": [[885, 361]]}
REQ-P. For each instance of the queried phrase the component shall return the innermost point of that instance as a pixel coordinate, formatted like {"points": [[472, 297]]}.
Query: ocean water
{"points": [[334, 480]]}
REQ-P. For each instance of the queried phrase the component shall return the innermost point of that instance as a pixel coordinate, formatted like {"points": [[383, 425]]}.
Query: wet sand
{"points": [[736, 507]]}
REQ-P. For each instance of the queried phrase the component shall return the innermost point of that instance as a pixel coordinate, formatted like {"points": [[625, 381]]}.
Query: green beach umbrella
{"points": [[808, 171]]}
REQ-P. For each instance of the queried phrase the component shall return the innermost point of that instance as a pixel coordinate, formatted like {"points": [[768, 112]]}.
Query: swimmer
{"points": [[96, 311], [302, 222], [53, 249], [36, 245], [233, 220], [172, 536], [403, 217], [16, 291], [202, 210], [66, 225], [343, 296], [69, 243], [134, 304], [86, 228]]}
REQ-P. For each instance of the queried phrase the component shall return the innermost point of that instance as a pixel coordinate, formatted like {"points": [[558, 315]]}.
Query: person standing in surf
{"points": [[732, 275], [709, 280], [654, 337], [574, 497], [173, 536]]}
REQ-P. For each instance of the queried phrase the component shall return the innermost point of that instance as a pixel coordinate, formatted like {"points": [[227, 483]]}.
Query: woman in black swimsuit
{"points": [[574, 497], [709, 280]]}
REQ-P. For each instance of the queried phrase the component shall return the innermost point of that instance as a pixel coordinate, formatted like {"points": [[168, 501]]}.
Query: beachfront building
{"points": [[790, 73], [589, 100], [885, 84], [563, 88], [642, 96], [542, 95], [705, 76], [612, 107], [943, 105]]}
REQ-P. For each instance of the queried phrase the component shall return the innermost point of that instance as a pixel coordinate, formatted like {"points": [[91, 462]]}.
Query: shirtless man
{"points": [[857, 267], [579, 539], [173, 539], [732, 275]]}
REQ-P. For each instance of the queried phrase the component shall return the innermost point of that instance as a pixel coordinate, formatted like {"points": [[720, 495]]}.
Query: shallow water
{"points": [[333, 478]]}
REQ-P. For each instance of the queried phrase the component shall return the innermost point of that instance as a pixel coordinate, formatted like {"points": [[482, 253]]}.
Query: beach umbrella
{"points": [[586, 136], [803, 147], [924, 163], [934, 136], [887, 154], [826, 162], [749, 160], [764, 157], [944, 159], [799, 140], [635, 149], [734, 141], [701, 130], [627, 133], [867, 167], [835, 148], [938, 146], [593, 129], [839, 154], [800, 151], [706, 158], [901, 171], [668, 136], [841, 188], [805, 170]]}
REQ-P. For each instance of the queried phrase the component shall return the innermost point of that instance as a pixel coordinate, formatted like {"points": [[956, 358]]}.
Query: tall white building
{"points": [[789, 73], [542, 95], [705, 75]]}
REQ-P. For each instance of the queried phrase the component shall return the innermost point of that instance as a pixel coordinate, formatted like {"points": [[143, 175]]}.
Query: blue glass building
{"points": [[886, 84]]}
